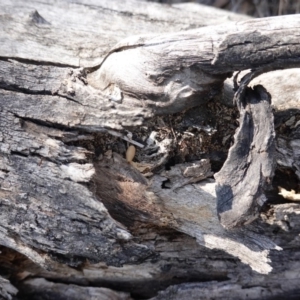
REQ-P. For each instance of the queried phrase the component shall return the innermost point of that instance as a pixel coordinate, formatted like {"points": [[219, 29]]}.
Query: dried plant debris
{"points": [[188, 136], [289, 195], [203, 132]]}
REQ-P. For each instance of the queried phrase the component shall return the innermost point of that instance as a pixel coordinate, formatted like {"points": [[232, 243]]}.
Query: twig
{"points": [[124, 137]]}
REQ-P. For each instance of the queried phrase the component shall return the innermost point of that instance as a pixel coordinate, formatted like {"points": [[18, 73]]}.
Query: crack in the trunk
{"points": [[38, 63]]}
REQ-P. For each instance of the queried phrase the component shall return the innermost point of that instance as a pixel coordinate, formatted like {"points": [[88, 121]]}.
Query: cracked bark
{"points": [[99, 225]]}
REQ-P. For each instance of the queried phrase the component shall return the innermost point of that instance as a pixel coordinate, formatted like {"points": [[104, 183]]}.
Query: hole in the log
{"points": [[166, 184], [170, 163]]}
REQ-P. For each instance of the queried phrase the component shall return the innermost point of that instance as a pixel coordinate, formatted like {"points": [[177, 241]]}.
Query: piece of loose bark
{"points": [[250, 164]]}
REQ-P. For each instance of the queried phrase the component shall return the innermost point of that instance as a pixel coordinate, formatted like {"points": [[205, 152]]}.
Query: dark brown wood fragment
{"points": [[249, 168]]}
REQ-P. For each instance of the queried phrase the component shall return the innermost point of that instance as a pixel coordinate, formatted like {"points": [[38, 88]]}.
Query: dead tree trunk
{"points": [[85, 215]]}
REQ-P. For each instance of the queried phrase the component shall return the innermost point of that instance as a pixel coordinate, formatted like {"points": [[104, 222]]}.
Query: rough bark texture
{"points": [[85, 222]]}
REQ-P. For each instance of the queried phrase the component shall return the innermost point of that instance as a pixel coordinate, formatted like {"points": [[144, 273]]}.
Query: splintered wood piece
{"points": [[250, 165], [290, 195]]}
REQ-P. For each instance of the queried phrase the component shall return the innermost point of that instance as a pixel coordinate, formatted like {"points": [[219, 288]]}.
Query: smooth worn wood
{"points": [[176, 71], [77, 90]]}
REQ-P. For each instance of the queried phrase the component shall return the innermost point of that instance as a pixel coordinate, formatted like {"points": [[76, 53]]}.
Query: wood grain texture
{"points": [[175, 71], [43, 32], [35, 287], [72, 216]]}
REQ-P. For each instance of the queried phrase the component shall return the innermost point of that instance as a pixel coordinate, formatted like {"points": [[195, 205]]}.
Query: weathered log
{"points": [[172, 72], [73, 206]]}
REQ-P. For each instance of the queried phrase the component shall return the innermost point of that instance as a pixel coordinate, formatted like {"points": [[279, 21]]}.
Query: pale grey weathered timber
{"points": [[62, 78], [181, 68]]}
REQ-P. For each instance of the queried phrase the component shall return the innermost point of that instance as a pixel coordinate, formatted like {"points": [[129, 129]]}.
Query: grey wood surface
{"points": [[74, 80]]}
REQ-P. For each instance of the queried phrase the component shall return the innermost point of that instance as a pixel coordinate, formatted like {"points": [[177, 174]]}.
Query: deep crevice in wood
{"points": [[37, 62]]}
